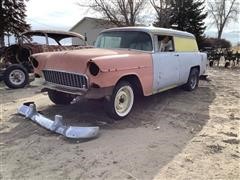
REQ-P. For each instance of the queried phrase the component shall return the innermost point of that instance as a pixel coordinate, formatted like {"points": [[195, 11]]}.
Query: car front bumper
{"points": [[91, 93], [75, 132]]}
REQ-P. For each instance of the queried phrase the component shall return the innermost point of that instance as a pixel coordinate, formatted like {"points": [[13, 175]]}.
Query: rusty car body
{"points": [[31, 42], [124, 63]]}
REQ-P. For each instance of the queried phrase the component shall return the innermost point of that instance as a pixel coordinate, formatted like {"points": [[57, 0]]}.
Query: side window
{"points": [[35, 39], [51, 41], [183, 44], [165, 43]]}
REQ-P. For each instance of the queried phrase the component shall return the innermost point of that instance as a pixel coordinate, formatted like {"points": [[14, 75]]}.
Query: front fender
{"points": [[113, 69]]}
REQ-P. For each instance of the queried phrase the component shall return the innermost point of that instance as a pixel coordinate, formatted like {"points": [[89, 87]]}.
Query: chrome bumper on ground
{"points": [[57, 125]]}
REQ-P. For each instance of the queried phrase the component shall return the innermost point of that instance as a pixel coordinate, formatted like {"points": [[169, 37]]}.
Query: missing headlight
{"points": [[93, 69]]}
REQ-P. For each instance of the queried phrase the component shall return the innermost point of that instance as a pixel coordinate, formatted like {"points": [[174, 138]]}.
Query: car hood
{"points": [[76, 60]]}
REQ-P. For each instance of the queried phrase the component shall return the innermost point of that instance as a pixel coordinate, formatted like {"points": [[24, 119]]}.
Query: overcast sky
{"points": [[63, 14]]}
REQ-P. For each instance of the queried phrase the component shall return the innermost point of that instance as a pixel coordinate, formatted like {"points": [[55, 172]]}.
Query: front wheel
{"points": [[59, 97], [121, 102]]}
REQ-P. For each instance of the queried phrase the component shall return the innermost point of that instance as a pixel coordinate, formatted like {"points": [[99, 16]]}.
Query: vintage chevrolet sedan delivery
{"points": [[125, 62]]}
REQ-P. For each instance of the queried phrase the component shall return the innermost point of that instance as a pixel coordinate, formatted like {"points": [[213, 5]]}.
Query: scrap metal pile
{"points": [[230, 57]]}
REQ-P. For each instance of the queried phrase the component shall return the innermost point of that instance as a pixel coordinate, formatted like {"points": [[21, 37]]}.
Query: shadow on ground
{"points": [[15, 94], [158, 129]]}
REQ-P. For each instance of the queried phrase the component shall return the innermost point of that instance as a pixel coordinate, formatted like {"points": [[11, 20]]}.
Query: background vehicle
{"points": [[229, 57], [15, 65]]}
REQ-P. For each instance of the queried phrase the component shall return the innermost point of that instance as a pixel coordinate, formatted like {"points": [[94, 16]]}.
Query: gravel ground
{"points": [[172, 135]]}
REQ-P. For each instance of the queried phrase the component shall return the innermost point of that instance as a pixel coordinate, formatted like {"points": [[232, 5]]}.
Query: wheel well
{"points": [[20, 55], [135, 82], [196, 67]]}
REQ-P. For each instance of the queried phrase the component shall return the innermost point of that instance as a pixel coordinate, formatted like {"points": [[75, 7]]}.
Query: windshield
{"points": [[125, 39]]}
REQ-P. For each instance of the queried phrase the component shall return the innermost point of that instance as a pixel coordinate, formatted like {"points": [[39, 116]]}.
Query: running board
{"points": [[76, 132]]}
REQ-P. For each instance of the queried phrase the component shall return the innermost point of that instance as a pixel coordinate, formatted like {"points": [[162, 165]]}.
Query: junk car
{"points": [[125, 62], [14, 63]]}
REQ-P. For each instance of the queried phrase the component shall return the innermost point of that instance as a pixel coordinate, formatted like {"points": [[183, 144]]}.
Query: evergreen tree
{"points": [[188, 15], [12, 18]]}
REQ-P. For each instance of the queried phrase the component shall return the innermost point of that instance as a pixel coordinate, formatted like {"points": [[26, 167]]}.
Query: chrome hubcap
{"points": [[124, 101], [17, 77]]}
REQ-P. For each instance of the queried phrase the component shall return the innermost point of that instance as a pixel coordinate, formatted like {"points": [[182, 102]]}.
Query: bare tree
{"points": [[118, 12], [163, 9], [223, 11]]}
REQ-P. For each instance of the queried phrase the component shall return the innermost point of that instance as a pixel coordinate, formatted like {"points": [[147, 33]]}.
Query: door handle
{"points": [[176, 54]]}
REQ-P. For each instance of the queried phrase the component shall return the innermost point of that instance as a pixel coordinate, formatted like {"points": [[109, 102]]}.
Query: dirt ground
{"points": [[172, 135]]}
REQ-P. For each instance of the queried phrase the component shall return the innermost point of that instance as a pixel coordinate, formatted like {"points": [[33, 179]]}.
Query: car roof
{"points": [[57, 35], [153, 30]]}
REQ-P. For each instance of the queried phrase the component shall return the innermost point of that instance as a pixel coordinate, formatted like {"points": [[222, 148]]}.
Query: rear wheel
{"points": [[16, 76], [121, 102], [193, 80], [59, 97]]}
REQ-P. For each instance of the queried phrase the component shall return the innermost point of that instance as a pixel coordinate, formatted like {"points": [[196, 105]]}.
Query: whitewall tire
{"points": [[121, 102]]}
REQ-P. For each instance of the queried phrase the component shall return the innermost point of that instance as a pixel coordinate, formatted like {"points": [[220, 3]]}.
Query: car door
{"points": [[166, 66]]}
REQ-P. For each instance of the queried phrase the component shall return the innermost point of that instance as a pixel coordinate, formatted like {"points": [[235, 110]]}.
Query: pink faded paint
{"points": [[113, 64]]}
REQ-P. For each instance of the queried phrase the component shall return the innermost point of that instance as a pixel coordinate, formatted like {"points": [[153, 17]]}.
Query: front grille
{"points": [[66, 79]]}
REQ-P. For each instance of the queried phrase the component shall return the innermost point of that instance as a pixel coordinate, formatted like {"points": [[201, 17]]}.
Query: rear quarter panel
{"points": [[204, 62], [187, 61], [189, 56]]}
